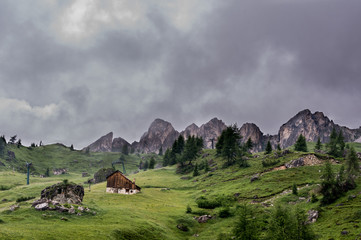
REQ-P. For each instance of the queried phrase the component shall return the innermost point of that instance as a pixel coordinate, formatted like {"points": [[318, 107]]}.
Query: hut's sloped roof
{"points": [[117, 171]]}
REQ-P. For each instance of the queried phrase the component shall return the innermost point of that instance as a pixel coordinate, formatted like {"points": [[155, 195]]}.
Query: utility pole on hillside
{"points": [[28, 175]]}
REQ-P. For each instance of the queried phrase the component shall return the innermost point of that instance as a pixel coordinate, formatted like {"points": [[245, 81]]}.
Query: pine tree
{"points": [[268, 148], [228, 145], [336, 145], [2, 146], [328, 185], [12, 140], [318, 144], [195, 171], [301, 144], [166, 158], [352, 168], [294, 189], [47, 173], [279, 147], [206, 166], [249, 144], [71, 147], [146, 165], [246, 227], [160, 153], [18, 143], [151, 163]]}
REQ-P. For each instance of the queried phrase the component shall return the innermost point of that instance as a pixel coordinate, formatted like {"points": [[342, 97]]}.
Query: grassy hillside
{"points": [[155, 212], [58, 156]]}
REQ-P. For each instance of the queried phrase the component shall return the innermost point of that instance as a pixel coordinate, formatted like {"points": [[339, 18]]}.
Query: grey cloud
{"points": [[255, 61]]}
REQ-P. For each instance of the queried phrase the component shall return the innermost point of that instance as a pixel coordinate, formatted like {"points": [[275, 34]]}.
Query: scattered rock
{"points": [[182, 227], [312, 216], [71, 210], [80, 208], [165, 189], [63, 219], [78, 214], [255, 177], [344, 232], [196, 235], [204, 190], [59, 171], [236, 194], [359, 155], [84, 174], [4, 200], [42, 206], [308, 160], [203, 218], [14, 207]]}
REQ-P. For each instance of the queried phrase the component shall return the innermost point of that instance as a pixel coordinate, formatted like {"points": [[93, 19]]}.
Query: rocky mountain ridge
{"points": [[161, 134]]}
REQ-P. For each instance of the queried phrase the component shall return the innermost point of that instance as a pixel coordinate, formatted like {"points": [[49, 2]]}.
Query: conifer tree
{"points": [[151, 163], [352, 168], [195, 171], [279, 147], [160, 153], [166, 158], [206, 166], [318, 144], [268, 148], [12, 139], [146, 165], [249, 144], [301, 144], [246, 227]]}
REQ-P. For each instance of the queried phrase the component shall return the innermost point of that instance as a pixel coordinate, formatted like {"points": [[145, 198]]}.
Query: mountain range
{"points": [[161, 134]]}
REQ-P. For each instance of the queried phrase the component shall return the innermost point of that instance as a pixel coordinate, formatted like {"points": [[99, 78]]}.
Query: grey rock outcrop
{"points": [[208, 131], [103, 144], [118, 144], [312, 126], [250, 130], [160, 134]]}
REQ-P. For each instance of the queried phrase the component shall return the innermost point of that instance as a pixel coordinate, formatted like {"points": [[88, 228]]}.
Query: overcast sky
{"points": [[72, 71]]}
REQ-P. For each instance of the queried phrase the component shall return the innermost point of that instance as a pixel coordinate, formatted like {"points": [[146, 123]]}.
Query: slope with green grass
{"points": [[161, 206]]}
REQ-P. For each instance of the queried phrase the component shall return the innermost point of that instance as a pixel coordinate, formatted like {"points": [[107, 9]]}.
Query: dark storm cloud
{"points": [[76, 70]]}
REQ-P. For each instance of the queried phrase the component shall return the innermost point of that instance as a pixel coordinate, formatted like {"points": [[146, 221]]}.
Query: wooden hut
{"points": [[118, 183]]}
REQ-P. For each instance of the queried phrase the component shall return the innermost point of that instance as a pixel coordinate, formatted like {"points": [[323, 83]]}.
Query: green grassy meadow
{"points": [[155, 212]]}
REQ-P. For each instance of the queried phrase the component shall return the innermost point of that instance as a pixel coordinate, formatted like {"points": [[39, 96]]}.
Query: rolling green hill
{"points": [[161, 206]]}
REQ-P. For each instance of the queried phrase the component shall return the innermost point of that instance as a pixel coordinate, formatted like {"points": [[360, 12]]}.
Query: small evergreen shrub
{"points": [[202, 202], [4, 188], [23, 199], [294, 189], [269, 162], [314, 198], [189, 209], [224, 212]]}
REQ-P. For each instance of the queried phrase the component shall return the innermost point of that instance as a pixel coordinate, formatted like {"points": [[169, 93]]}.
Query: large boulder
{"points": [[64, 193]]}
